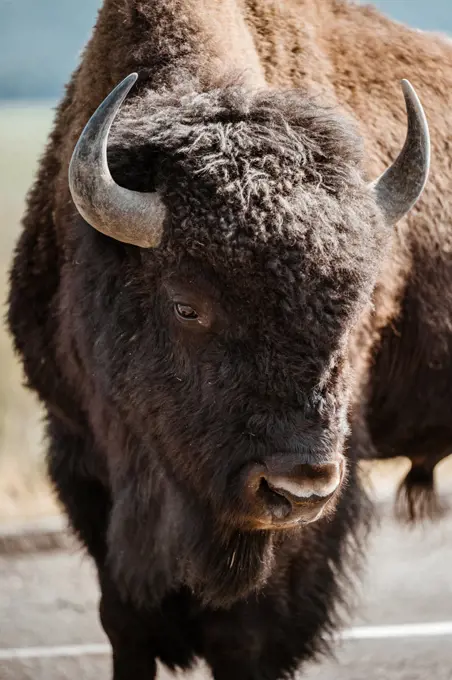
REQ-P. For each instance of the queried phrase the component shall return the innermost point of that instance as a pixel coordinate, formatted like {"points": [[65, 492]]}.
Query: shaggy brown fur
{"points": [[271, 220]]}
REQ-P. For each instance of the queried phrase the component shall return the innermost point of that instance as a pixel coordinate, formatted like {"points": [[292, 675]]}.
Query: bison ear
{"points": [[400, 186]]}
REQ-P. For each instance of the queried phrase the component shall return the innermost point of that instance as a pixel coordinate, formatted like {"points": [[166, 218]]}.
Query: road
{"points": [[48, 601]]}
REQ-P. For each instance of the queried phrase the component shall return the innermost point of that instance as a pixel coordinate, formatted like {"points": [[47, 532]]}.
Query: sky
{"points": [[41, 40]]}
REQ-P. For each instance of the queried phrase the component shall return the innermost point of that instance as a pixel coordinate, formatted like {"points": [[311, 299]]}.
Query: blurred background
{"points": [[40, 44]]}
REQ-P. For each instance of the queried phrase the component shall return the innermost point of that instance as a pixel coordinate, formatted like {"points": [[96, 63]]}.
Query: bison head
{"points": [[217, 342]]}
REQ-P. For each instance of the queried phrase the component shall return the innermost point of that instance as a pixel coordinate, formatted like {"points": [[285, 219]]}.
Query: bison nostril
{"points": [[277, 503]]}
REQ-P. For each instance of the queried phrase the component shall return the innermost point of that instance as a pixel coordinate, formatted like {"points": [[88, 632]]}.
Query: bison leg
{"points": [[242, 662], [133, 656]]}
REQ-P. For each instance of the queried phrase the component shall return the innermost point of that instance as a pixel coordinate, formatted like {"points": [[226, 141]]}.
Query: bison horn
{"points": [[400, 186], [128, 216]]}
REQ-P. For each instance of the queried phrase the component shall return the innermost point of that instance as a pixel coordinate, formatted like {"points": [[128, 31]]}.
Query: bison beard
{"points": [[163, 540]]}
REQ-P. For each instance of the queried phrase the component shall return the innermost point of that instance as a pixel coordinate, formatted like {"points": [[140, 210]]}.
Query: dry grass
{"points": [[24, 491]]}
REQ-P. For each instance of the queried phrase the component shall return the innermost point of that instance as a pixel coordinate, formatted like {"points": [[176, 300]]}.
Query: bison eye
{"points": [[185, 312]]}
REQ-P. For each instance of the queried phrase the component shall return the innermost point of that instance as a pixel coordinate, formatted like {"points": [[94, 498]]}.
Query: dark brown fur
{"points": [[271, 218]]}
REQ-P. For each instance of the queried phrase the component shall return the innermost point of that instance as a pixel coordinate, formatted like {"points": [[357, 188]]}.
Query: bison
{"points": [[222, 310]]}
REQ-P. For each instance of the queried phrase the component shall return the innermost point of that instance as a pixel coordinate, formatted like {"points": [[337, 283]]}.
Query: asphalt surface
{"points": [[49, 601]]}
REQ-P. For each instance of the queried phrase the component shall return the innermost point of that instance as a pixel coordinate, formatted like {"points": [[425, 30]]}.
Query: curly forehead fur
{"points": [[264, 180], [234, 124]]}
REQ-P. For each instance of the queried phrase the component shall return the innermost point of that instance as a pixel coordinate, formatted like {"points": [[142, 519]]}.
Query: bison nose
{"points": [[295, 493]]}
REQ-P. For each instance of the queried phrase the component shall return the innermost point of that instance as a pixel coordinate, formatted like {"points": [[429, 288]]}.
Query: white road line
{"points": [[404, 630], [53, 652]]}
